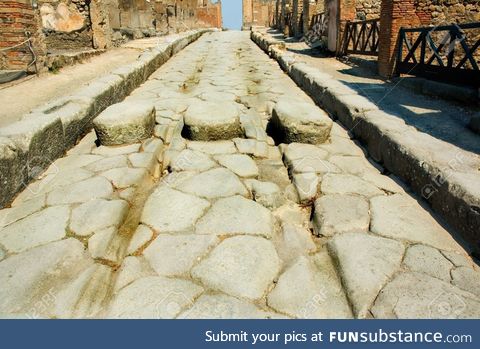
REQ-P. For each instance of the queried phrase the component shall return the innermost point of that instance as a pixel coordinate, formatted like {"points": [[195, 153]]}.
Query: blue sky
{"points": [[232, 14]]}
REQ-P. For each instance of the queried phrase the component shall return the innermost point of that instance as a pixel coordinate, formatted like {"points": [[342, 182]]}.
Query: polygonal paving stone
{"points": [[335, 214], [236, 215], [118, 150], [93, 188], [267, 194], [214, 148], [141, 237], [28, 277], [365, 265], [37, 229], [221, 306], [208, 121], [108, 163], [242, 165], [428, 260], [191, 160], [301, 291], [293, 242], [125, 177], [13, 214], [348, 184], [356, 165], [104, 244], [132, 268], [243, 266], [175, 255], [153, 297], [96, 215], [401, 217], [419, 296], [307, 186], [251, 146], [215, 183], [295, 151], [168, 210], [467, 279], [312, 165], [301, 122]]}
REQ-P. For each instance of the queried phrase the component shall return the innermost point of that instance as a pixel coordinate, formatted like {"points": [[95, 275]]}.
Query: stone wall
{"points": [[258, 13], [367, 9], [66, 23], [209, 14]]}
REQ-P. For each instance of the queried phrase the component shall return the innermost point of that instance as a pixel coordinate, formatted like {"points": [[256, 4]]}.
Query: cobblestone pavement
{"points": [[235, 228]]}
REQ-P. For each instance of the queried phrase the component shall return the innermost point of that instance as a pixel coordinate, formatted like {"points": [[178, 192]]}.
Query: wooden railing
{"points": [[361, 37], [449, 53]]}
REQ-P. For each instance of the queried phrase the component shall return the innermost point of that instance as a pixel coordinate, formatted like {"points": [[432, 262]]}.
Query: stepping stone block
{"points": [[300, 122], [125, 123], [207, 121]]}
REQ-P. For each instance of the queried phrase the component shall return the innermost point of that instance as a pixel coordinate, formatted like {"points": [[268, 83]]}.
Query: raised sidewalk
{"points": [[444, 172], [28, 146]]}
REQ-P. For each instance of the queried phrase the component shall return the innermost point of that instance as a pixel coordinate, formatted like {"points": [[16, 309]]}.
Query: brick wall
{"points": [[211, 15], [16, 18]]}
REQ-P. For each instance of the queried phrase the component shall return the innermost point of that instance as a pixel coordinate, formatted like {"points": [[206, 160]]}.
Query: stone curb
{"points": [[444, 175], [29, 146]]}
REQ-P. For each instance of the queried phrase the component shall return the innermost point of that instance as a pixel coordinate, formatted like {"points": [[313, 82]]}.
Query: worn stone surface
{"points": [[209, 121], [425, 259], [31, 275], [165, 298], [301, 122], [124, 177], [340, 213], [400, 217], [96, 215], [190, 160], [365, 265], [40, 228], [467, 279], [89, 189], [140, 238], [242, 266], [214, 148], [175, 255], [348, 184], [220, 306], [301, 291], [180, 214], [236, 215], [206, 184], [267, 194], [240, 164], [419, 296], [125, 123]]}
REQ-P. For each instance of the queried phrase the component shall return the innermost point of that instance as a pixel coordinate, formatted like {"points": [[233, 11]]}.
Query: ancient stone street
{"points": [[247, 201]]}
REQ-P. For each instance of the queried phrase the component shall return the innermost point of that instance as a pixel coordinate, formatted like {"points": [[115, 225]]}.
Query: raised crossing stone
{"points": [[300, 122], [125, 123], [209, 121]]}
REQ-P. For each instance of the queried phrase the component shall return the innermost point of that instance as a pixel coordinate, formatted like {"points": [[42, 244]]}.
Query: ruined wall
{"points": [[19, 21], [209, 14], [66, 23], [258, 13]]}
